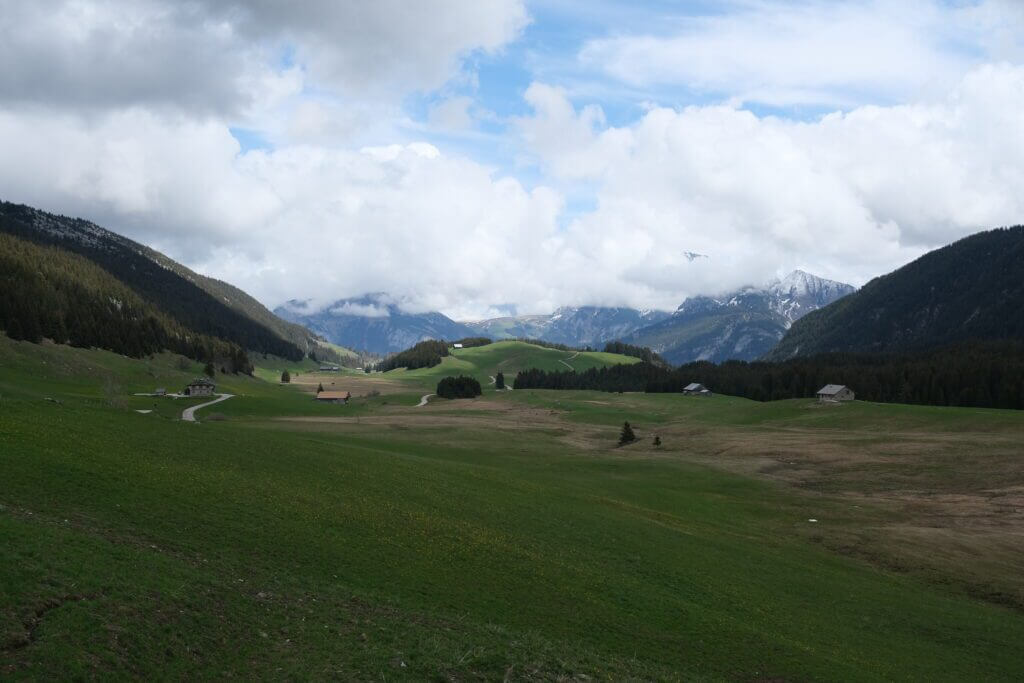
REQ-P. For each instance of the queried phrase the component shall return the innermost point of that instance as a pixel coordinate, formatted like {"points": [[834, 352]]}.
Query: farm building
{"points": [[329, 368], [695, 389], [200, 386], [831, 393], [160, 391], [458, 346], [333, 396]]}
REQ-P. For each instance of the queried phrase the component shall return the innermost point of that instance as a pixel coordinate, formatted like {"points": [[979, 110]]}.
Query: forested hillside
{"points": [[971, 289], [175, 293], [50, 292], [986, 374]]}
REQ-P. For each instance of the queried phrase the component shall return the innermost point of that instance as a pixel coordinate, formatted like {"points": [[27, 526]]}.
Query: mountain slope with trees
{"points": [[170, 287], [972, 289], [48, 292]]}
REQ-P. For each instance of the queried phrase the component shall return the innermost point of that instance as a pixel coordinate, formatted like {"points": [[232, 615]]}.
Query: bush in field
{"points": [[499, 381], [627, 435], [286, 377], [458, 387]]}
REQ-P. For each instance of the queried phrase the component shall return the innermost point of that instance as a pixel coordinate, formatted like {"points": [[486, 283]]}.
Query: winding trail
{"points": [[189, 414], [423, 400], [569, 358]]}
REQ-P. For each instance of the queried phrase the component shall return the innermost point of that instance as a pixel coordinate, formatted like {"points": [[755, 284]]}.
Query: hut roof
{"points": [[831, 389], [333, 395]]}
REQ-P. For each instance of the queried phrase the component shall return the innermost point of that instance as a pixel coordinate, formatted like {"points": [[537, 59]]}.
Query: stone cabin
{"points": [[333, 396], [832, 393], [695, 389], [200, 386]]}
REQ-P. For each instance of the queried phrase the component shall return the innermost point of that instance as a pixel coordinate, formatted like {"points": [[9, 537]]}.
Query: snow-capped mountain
{"points": [[799, 293], [742, 325], [571, 325], [373, 322]]}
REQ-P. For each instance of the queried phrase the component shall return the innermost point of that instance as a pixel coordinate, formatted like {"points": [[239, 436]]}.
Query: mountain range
{"points": [[373, 322], [573, 326], [742, 325], [73, 281]]}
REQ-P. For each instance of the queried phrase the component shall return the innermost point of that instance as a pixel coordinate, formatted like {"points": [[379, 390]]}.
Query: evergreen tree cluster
{"points": [[978, 374], [612, 378], [178, 298], [641, 352], [426, 354], [499, 381], [458, 387], [470, 342], [48, 292]]}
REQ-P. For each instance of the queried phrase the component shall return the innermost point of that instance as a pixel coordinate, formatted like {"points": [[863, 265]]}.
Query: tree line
{"points": [[425, 354], [470, 342], [641, 352], [977, 374], [47, 292]]}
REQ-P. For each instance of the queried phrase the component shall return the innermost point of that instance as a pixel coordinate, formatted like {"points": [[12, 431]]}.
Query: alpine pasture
{"points": [[504, 537]]}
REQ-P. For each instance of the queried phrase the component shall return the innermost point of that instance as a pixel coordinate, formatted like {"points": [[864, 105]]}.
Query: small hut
{"points": [[695, 389], [833, 393]]}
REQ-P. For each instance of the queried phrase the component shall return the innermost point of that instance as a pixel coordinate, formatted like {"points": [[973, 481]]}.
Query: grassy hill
{"points": [[504, 537], [508, 357]]}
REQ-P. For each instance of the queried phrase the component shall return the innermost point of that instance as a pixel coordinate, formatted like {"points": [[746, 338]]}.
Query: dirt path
{"points": [[423, 400], [189, 414], [563, 362]]}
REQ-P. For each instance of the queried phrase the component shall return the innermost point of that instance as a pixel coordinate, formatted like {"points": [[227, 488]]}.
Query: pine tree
{"points": [[627, 435], [657, 441], [208, 370], [286, 377], [499, 381]]}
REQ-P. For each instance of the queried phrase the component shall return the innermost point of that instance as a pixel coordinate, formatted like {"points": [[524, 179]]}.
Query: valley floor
{"points": [[505, 537]]}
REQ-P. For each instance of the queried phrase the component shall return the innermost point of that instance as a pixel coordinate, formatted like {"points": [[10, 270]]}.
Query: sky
{"points": [[481, 157]]}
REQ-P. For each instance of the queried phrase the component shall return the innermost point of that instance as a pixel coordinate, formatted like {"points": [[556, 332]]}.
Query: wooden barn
{"points": [[832, 393], [695, 389], [333, 396]]}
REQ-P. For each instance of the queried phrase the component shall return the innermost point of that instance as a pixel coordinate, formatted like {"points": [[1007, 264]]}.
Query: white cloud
{"points": [[849, 196], [816, 52], [120, 112], [365, 310], [452, 114], [217, 56]]}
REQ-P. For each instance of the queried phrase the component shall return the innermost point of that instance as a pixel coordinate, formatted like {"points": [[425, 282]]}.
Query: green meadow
{"points": [[503, 538]]}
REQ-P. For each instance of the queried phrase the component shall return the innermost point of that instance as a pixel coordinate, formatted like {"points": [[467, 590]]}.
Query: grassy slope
{"points": [[141, 546], [509, 357]]}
